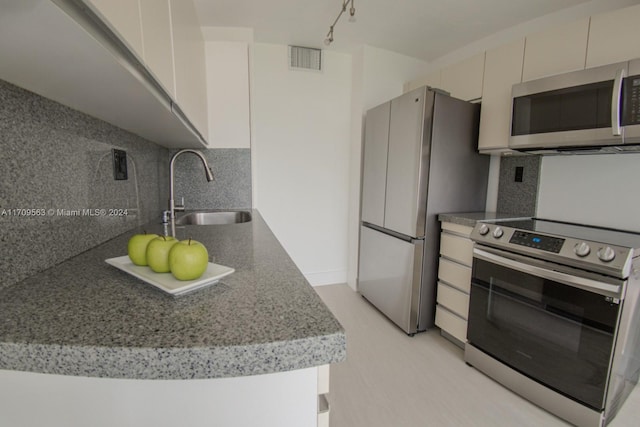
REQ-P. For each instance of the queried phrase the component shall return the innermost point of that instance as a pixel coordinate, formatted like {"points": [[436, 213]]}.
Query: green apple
{"points": [[188, 260], [137, 247], [158, 253]]}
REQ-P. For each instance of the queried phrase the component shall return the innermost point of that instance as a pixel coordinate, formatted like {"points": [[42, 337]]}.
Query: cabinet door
{"points": [[404, 161], [613, 37], [503, 68], [190, 68], [122, 16], [156, 38], [464, 79], [374, 175], [559, 50]]}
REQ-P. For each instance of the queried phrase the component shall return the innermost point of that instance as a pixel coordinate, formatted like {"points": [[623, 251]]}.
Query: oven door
{"points": [[554, 327]]}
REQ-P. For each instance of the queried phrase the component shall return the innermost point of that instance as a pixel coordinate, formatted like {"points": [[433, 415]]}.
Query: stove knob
{"points": [[606, 254], [483, 229], [497, 232], [581, 249]]}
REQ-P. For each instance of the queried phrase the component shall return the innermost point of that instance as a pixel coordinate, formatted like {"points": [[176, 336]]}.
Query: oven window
{"points": [[556, 334], [575, 108]]}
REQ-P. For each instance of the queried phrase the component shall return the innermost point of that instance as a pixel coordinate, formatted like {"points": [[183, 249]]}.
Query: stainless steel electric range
{"points": [[554, 314]]}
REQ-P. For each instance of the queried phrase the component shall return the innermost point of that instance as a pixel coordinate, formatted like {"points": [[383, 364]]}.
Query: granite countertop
{"points": [[84, 317], [471, 218]]}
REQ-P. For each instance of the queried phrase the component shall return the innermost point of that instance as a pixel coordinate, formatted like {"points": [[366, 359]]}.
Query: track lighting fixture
{"points": [[352, 18]]}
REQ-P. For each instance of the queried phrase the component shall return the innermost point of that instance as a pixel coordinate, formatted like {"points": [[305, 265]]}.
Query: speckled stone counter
{"points": [[471, 218], [84, 317]]}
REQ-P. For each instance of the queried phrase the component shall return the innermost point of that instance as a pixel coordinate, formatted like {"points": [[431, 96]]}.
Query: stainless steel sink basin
{"points": [[214, 218]]}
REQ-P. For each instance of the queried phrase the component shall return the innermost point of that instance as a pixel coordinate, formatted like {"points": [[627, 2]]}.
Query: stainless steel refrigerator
{"points": [[420, 159]]}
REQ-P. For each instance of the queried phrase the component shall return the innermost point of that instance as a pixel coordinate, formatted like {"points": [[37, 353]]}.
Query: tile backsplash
{"points": [[518, 194], [231, 188], [58, 195]]}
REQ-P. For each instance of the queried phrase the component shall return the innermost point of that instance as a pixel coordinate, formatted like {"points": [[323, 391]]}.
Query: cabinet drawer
{"points": [[464, 230], [452, 324], [456, 275], [457, 248], [454, 300]]}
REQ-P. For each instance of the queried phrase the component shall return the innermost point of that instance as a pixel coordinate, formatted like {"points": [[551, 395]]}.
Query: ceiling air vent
{"points": [[305, 58]]}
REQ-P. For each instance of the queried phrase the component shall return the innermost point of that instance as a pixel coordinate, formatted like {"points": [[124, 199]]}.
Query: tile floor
{"points": [[391, 379]]}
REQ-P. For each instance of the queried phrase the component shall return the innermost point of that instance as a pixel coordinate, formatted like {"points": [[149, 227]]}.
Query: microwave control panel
{"points": [[631, 101], [537, 241]]}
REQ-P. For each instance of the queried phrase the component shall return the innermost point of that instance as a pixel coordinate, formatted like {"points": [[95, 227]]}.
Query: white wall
{"points": [[301, 123], [228, 94], [385, 73], [378, 76], [591, 189]]}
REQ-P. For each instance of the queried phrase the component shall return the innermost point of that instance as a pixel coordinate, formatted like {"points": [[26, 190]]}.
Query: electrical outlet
{"points": [[519, 173], [119, 165]]}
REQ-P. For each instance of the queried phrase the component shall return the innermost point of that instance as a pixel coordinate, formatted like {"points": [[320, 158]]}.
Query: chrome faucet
{"points": [[173, 207]]}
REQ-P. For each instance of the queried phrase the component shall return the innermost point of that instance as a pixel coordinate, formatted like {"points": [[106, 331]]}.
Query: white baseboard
{"points": [[326, 277]]}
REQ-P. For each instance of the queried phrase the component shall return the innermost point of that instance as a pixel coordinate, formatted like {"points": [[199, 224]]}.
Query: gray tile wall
{"points": [[518, 197], [231, 188], [58, 160]]}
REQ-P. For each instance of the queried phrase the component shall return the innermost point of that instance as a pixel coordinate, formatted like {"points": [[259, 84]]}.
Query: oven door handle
{"points": [[606, 289]]}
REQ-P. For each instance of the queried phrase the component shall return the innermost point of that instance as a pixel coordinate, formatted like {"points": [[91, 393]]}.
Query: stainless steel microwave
{"points": [[592, 110]]}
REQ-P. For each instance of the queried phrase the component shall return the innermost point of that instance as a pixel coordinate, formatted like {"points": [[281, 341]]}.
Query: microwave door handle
{"points": [[615, 102], [590, 285]]}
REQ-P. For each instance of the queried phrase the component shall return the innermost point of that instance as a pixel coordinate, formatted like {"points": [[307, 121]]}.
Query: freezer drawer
{"points": [[390, 276]]}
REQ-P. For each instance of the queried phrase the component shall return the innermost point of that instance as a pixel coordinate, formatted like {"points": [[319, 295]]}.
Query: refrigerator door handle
{"points": [[409, 239]]}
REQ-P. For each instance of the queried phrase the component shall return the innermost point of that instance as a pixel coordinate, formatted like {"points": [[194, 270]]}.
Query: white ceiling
{"points": [[425, 29]]}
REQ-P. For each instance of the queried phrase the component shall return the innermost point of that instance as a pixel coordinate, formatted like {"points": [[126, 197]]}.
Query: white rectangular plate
{"points": [[166, 281]]}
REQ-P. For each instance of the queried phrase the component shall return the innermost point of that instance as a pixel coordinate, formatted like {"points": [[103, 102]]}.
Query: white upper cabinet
{"points": [[123, 17], [464, 79], [157, 42], [502, 69], [558, 50], [166, 35], [614, 37], [104, 80], [189, 64], [142, 62]]}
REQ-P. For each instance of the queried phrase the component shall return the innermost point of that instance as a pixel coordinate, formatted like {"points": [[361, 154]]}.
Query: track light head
{"points": [[352, 18]]}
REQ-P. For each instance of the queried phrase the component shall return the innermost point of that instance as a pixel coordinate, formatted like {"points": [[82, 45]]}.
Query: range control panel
{"points": [[563, 249], [537, 241]]}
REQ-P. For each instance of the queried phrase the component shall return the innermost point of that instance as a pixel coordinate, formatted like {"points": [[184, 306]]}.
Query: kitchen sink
{"points": [[214, 218]]}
